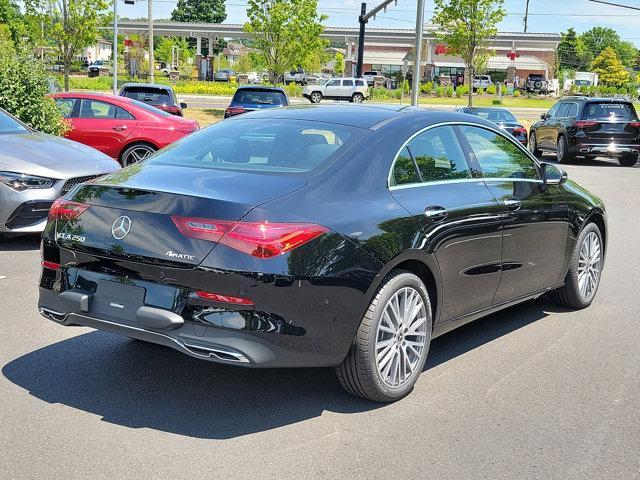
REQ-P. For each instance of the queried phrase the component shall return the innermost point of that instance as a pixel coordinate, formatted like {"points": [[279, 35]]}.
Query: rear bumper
{"points": [[583, 146], [212, 344]]}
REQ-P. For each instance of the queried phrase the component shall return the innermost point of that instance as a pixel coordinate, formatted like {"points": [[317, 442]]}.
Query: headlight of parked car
{"points": [[21, 182]]}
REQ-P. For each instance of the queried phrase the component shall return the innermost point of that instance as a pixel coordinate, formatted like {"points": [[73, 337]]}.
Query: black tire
{"points": [[533, 144], [562, 153], [569, 296], [628, 160], [129, 156], [357, 98], [358, 373], [315, 97]]}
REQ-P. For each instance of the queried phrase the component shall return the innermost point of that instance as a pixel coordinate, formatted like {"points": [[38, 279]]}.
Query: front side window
{"points": [[433, 155], [562, 111], [572, 111], [499, 157], [552, 112]]}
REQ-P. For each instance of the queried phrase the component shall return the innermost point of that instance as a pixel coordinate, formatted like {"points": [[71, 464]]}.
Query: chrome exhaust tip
{"points": [[219, 353]]}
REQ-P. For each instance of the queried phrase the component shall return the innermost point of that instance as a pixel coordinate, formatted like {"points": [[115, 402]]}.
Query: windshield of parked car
{"points": [[259, 97], [150, 108], [148, 95], [492, 115], [262, 146], [9, 125], [609, 111]]}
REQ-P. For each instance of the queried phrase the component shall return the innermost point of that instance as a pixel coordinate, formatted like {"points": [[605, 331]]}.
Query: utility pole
{"points": [[417, 58], [115, 47], [526, 16], [152, 63], [363, 22]]}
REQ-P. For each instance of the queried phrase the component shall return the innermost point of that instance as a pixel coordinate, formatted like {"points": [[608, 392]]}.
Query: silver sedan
{"points": [[35, 169]]}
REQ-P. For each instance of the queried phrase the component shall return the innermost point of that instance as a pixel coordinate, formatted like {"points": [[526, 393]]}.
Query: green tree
{"points": [[164, 51], [199, 11], [570, 51], [595, 40], [11, 17], [610, 70], [69, 25], [286, 34], [338, 68], [24, 85], [466, 27]]}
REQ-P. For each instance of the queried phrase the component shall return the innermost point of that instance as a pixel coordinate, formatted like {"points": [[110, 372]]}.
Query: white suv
{"points": [[352, 89], [481, 81]]}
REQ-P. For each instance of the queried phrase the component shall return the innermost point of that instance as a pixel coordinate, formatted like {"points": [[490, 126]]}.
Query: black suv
{"points": [[588, 127]]}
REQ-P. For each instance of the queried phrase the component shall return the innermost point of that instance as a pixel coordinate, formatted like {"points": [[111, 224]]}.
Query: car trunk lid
{"points": [[607, 122]]}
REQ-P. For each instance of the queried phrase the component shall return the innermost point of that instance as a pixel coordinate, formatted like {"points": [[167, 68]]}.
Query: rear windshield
{"points": [[259, 97], [148, 95], [609, 111], [493, 115], [9, 125], [262, 145]]}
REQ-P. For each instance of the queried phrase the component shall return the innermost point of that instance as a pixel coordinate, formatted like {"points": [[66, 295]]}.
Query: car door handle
{"points": [[120, 127], [512, 203], [435, 213]]}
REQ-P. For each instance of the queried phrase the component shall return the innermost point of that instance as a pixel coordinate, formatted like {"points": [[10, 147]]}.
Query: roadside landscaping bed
{"points": [[204, 116]]}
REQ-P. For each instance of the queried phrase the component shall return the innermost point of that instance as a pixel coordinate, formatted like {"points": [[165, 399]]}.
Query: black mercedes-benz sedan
{"points": [[343, 236]]}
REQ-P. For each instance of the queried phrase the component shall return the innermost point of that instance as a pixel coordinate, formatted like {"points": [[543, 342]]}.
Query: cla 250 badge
{"points": [[181, 256], [73, 238]]}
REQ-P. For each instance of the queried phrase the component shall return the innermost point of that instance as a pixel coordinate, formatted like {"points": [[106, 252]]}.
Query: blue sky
{"points": [[545, 15]]}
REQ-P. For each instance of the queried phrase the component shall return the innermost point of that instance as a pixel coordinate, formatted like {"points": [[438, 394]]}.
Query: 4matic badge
{"points": [[181, 256]]}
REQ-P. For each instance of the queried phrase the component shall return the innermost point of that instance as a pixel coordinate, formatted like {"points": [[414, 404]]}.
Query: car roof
{"points": [[94, 96], [579, 98], [157, 86], [263, 88], [485, 108], [370, 116]]}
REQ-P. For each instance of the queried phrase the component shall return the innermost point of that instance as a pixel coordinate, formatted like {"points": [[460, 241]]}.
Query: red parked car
{"points": [[125, 129]]}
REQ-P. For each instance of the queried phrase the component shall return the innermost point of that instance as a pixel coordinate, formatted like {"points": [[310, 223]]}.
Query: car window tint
{"points": [[609, 110], [96, 109], [258, 97], [347, 83], [359, 83], [562, 110], [498, 157], [268, 145], [333, 83], [438, 155], [553, 110], [123, 114], [404, 169], [150, 95], [572, 111], [66, 106]]}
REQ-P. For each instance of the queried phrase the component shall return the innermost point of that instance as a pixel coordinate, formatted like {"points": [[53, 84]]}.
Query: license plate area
{"points": [[119, 300]]}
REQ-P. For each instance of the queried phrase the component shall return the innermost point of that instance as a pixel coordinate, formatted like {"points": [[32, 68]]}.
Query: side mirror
{"points": [[544, 116], [183, 105], [552, 174]]}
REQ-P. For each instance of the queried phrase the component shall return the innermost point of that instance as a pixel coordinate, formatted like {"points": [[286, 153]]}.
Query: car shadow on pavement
{"points": [[21, 243], [140, 385]]}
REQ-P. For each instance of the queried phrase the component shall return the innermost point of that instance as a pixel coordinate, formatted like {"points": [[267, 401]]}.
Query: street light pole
{"points": [[363, 22], [152, 63], [417, 57], [526, 16], [115, 47]]}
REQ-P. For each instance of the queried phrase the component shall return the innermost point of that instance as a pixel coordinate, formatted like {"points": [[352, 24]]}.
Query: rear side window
{"points": [[259, 97], [148, 95], [333, 83], [262, 145], [359, 83], [432, 155], [609, 111]]}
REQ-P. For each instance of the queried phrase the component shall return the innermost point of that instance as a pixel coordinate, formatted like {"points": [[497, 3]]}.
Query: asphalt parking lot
{"points": [[532, 392]]}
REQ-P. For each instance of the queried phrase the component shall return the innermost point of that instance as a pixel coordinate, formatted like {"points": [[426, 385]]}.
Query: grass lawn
{"points": [[204, 116]]}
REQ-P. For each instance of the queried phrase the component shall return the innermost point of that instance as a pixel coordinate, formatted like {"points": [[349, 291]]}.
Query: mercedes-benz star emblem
{"points": [[121, 227]]}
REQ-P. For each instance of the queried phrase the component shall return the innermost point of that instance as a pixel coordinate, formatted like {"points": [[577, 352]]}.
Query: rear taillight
{"points": [[586, 124], [50, 265], [633, 124], [258, 239], [66, 210], [234, 110], [216, 297], [519, 131]]}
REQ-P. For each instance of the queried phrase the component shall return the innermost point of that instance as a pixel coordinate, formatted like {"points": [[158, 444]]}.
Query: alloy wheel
{"points": [[401, 337], [560, 152], [137, 154], [589, 265], [316, 97], [532, 143]]}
